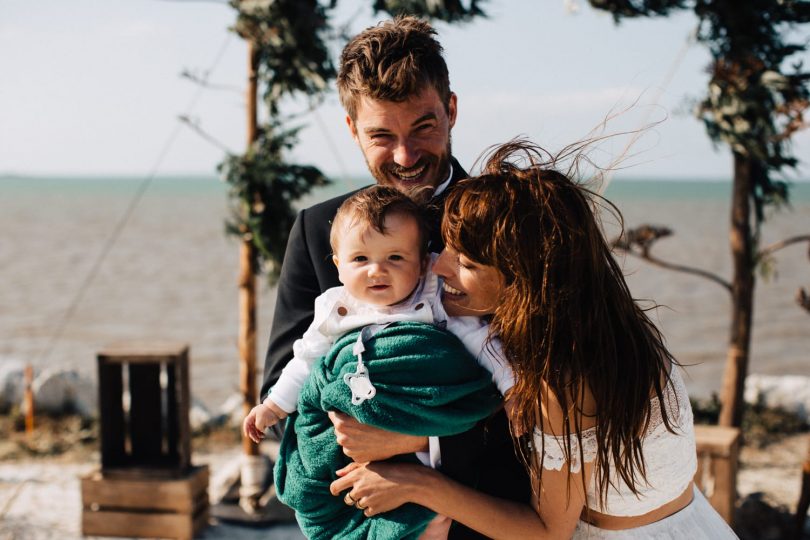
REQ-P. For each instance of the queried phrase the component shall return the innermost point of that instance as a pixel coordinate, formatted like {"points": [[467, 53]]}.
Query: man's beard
{"points": [[423, 191]]}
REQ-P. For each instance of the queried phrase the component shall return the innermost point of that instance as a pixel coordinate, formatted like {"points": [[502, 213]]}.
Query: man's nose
{"points": [[406, 154]]}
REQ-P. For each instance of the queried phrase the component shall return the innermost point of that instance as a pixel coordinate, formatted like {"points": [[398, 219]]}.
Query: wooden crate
{"points": [[144, 400], [148, 507], [718, 450]]}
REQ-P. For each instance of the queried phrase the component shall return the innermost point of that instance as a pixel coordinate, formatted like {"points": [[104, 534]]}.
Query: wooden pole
{"points": [[28, 398], [247, 280], [742, 292]]}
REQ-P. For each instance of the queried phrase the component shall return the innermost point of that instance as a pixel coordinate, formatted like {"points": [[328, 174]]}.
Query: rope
{"points": [[331, 144], [122, 222]]}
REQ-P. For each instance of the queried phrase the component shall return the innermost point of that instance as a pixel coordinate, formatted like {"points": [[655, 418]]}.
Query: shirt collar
{"points": [[441, 187]]}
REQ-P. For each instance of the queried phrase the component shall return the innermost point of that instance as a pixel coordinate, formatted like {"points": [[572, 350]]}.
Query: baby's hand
{"points": [[261, 417]]}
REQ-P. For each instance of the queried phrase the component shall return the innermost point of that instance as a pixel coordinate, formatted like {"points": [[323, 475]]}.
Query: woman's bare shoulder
{"points": [[579, 410]]}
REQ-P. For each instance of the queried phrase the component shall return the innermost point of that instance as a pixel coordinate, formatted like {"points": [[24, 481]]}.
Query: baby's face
{"points": [[379, 269]]}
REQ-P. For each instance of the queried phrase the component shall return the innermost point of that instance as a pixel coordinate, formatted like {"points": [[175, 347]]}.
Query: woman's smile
{"points": [[477, 289], [451, 290]]}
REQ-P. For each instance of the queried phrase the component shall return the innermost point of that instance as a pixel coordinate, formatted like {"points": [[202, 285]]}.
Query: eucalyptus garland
{"points": [[263, 188]]}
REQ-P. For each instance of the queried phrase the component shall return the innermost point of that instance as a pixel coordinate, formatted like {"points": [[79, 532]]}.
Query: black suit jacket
{"points": [[482, 457]]}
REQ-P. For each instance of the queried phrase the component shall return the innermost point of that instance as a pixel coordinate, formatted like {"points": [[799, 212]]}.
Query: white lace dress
{"points": [[671, 462]]}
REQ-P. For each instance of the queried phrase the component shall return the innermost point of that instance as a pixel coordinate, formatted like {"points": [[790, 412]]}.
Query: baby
{"points": [[379, 244], [428, 384]]}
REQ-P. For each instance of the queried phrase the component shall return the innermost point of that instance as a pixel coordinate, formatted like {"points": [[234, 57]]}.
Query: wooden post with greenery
{"points": [[755, 104], [247, 276], [289, 57]]}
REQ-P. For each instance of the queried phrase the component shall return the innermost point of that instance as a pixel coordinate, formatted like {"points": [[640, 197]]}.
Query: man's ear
{"points": [[352, 128], [452, 109]]}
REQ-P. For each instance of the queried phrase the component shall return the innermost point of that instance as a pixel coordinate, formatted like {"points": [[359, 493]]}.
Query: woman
{"points": [[599, 412]]}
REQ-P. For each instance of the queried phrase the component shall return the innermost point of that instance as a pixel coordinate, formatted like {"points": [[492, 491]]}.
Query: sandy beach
{"points": [[40, 498]]}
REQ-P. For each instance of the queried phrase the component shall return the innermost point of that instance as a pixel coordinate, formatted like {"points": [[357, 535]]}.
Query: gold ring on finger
{"points": [[349, 500], [359, 506]]}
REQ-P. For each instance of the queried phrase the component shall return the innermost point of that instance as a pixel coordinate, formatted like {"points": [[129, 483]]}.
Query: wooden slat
{"points": [[111, 414], [172, 413], [146, 429], [183, 386], [140, 351], [133, 524], [181, 495]]}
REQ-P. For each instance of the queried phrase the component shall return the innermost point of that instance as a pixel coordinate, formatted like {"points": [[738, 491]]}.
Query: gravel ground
{"points": [[40, 497]]}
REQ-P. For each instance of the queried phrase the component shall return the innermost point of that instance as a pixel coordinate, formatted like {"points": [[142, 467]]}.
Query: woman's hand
{"points": [[378, 487], [365, 443]]}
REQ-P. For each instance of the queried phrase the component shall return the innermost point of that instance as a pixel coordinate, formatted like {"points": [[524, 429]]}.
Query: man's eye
{"points": [[360, 258]]}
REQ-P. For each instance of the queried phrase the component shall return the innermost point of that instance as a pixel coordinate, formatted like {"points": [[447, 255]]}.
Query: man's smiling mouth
{"points": [[409, 174]]}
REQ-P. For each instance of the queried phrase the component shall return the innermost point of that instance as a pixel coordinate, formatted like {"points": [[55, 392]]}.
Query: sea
{"points": [[67, 290]]}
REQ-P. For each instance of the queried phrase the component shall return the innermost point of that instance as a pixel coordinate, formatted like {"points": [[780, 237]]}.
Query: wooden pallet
{"points": [[147, 507], [149, 434]]}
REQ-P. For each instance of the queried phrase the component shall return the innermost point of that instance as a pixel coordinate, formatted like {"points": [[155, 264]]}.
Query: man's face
{"points": [[406, 144]]}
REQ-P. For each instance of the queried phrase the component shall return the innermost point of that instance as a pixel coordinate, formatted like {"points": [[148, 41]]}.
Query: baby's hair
{"points": [[371, 206]]}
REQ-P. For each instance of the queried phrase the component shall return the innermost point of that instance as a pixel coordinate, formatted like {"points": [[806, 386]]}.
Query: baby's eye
{"points": [[396, 257], [360, 258]]}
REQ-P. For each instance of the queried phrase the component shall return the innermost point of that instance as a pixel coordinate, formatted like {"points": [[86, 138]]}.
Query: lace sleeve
{"points": [[553, 449]]}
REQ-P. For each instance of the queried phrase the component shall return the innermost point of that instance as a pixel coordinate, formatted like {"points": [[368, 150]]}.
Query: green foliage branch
{"points": [[290, 43], [755, 101], [264, 187]]}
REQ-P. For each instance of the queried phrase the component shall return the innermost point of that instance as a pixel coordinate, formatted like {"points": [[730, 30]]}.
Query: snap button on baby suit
{"points": [[418, 306], [342, 311]]}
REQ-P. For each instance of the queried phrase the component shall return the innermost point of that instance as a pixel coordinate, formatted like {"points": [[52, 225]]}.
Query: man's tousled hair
{"points": [[393, 61]]}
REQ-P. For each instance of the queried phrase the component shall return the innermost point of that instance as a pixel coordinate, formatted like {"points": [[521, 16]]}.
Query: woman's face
{"points": [[469, 288]]}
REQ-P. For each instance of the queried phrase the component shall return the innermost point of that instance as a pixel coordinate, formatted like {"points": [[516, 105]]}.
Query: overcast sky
{"points": [[94, 88]]}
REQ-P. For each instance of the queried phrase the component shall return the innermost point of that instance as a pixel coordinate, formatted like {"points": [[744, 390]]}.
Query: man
{"points": [[394, 86]]}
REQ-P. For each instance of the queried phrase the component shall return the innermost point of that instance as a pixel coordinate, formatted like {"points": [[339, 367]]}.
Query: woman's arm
{"points": [[381, 487], [553, 513]]}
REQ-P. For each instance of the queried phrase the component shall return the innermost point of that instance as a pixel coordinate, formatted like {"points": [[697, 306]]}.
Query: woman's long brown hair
{"points": [[567, 321]]}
